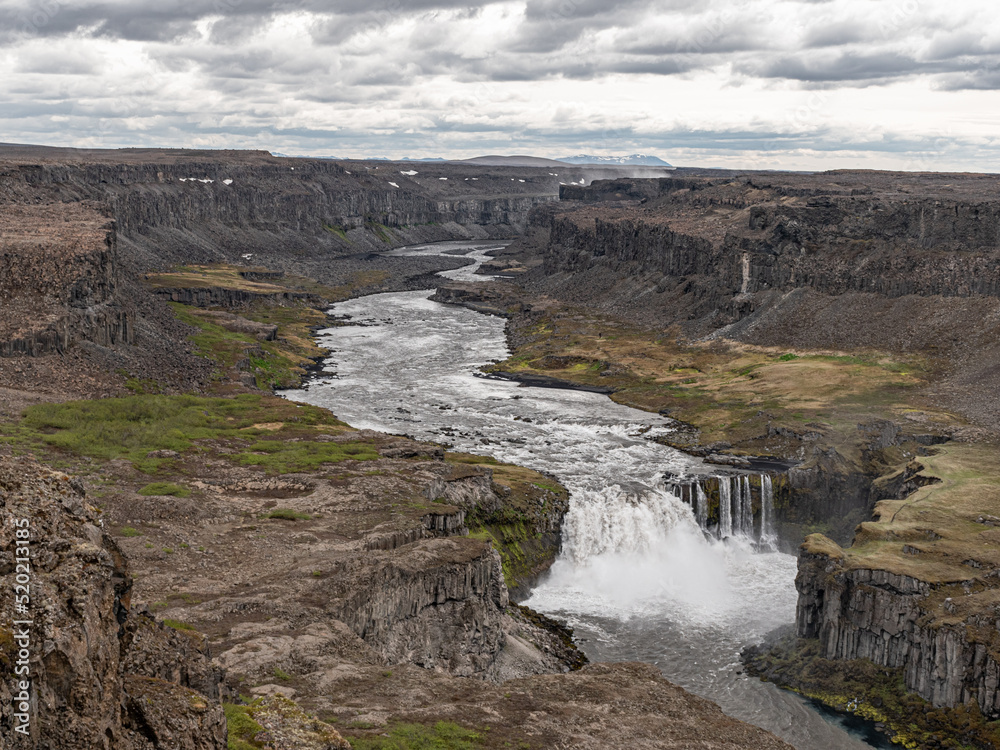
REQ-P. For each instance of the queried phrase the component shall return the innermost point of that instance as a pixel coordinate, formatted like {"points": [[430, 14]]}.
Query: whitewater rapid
{"points": [[637, 577]]}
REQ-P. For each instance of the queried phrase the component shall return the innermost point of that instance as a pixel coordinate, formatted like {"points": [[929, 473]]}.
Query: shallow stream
{"points": [[636, 578]]}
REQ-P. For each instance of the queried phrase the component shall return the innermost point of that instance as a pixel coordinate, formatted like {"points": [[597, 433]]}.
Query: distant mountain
{"points": [[521, 160], [635, 160], [511, 161]]}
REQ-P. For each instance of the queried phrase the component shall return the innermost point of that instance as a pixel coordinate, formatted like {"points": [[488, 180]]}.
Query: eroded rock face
{"points": [[59, 275], [438, 603], [79, 592], [80, 631], [878, 615]]}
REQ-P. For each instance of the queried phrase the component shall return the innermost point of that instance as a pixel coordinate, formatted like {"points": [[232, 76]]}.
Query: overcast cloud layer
{"points": [[907, 84]]}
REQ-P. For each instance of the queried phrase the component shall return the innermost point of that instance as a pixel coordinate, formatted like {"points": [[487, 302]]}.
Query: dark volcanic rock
{"points": [[860, 613], [81, 632]]}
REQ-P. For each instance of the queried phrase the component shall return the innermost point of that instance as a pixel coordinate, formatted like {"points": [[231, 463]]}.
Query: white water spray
{"points": [[615, 520]]}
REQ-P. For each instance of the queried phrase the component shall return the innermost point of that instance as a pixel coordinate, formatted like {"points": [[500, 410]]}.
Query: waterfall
{"points": [[701, 507], [767, 535], [747, 507], [619, 520], [725, 509], [737, 506]]}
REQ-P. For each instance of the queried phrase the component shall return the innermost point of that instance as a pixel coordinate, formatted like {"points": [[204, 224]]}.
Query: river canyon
{"points": [[637, 577], [673, 413]]}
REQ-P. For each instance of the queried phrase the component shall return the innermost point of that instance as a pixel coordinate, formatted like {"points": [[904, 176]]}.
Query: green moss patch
{"points": [[241, 728], [287, 514], [178, 625], [165, 488], [532, 504], [444, 735]]}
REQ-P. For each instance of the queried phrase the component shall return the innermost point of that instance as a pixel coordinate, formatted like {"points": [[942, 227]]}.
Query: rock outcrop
{"points": [[438, 603], [887, 618], [59, 278], [71, 641]]}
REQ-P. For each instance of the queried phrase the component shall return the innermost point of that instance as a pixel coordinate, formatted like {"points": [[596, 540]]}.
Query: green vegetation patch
{"points": [[165, 488], [275, 434], [241, 728], [278, 456], [275, 364], [532, 504], [337, 230], [444, 735], [287, 514], [178, 625], [380, 230]]}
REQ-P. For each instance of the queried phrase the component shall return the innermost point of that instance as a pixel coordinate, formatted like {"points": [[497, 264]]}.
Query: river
{"points": [[636, 578]]}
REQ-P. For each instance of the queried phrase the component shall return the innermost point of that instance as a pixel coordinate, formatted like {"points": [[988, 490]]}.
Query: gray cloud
{"points": [[837, 34], [423, 74], [846, 66]]}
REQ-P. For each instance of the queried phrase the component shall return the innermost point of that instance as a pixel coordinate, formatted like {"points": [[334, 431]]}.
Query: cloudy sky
{"points": [[805, 84]]}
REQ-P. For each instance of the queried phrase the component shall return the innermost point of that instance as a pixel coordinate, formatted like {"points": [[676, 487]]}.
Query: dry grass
{"points": [[935, 534], [218, 275], [731, 391], [228, 277]]}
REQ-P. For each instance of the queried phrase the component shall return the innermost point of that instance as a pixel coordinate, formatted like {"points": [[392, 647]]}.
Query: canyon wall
{"points": [[782, 251], [861, 613], [76, 227], [59, 278], [184, 206]]}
